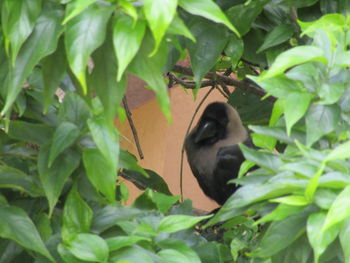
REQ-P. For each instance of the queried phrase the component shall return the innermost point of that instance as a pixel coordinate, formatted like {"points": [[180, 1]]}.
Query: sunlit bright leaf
{"points": [[127, 39], [292, 57], [84, 33], [207, 9], [159, 14]]}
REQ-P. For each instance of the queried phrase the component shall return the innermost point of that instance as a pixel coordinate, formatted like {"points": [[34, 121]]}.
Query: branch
{"points": [[133, 129], [244, 85], [190, 85]]}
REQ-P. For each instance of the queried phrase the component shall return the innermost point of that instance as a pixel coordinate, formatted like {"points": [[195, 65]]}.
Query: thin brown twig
{"points": [[222, 92], [250, 63], [187, 132], [225, 88], [133, 129], [171, 80], [228, 71], [190, 85]]}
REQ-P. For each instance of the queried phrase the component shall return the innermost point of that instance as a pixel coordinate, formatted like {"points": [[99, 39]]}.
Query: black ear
{"points": [[205, 130]]}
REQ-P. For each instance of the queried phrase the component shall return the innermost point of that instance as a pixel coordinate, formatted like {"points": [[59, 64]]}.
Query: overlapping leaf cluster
{"points": [[303, 190], [63, 74]]}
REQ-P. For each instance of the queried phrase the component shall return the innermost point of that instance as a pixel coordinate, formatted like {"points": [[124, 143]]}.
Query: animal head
{"points": [[219, 122]]}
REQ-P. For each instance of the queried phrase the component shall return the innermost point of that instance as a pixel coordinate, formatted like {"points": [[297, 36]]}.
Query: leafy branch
{"points": [[221, 79]]}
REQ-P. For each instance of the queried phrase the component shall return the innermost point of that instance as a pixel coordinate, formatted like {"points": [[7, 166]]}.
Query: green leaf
{"points": [[343, 59], [279, 133], [41, 43], [141, 181], [243, 15], [281, 212], [273, 85], [211, 40], [258, 111], [173, 256], [159, 14], [324, 197], [234, 49], [129, 162], [150, 69], [53, 69], [342, 152], [127, 39], [313, 182], [294, 200], [64, 136], [297, 3], [16, 179], [66, 255], [264, 159], [319, 240], [236, 246], [207, 9], [247, 195], [145, 228], [344, 237], [74, 110], [278, 35], [74, 8], [263, 141], [109, 215], [180, 247], [281, 234], [154, 200], [17, 226], [106, 139], [339, 210], [209, 252], [334, 180], [292, 57], [295, 107], [18, 19], [302, 167], [327, 23], [100, 173], [175, 223], [77, 216], [320, 120], [103, 79], [30, 132], [277, 111], [89, 247], [163, 202], [330, 93], [128, 8], [43, 223], [245, 167], [115, 243], [54, 178], [142, 202], [84, 33], [132, 254], [178, 27], [307, 74]]}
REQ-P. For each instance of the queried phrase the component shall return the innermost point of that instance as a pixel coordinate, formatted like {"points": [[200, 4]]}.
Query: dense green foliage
{"points": [[61, 199]]}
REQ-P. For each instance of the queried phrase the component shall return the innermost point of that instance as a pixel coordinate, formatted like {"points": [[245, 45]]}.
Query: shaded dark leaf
{"points": [[153, 181], [211, 39]]}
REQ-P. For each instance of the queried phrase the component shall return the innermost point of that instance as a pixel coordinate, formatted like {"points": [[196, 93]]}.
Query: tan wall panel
{"points": [[161, 142]]}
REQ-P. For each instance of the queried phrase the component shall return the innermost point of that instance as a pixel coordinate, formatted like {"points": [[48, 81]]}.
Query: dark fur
{"points": [[215, 157]]}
